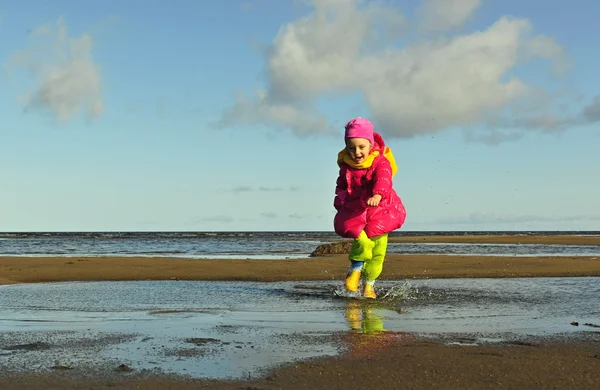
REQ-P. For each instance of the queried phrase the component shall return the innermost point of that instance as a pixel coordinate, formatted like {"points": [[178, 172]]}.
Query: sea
{"points": [[258, 245]]}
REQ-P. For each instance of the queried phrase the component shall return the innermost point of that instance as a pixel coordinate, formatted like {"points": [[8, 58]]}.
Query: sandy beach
{"points": [[56, 269], [388, 360], [555, 239]]}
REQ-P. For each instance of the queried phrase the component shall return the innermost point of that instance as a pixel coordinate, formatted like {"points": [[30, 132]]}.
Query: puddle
{"points": [[237, 329]]}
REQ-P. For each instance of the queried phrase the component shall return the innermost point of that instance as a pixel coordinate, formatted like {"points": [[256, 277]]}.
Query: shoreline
{"points": [[27, 269], [61, 269], [383, 360]]}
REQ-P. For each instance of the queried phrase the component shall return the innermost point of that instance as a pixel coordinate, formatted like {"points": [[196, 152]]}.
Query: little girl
{"points": [[367, 206]]}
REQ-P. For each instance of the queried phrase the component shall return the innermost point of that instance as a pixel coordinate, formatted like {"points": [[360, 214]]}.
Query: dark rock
{"points": [[62, 367], [200, 340], [124, 368], [334, 248], [37, 346], [523, 343]]}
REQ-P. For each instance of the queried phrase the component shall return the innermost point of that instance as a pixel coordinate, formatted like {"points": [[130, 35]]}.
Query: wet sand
{"points": [[385, 361], [56, 269], [558, 239]]}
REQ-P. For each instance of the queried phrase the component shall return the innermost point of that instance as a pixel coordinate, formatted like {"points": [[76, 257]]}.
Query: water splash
{"points": [[341, 292], [399, 292], [393, 293]]}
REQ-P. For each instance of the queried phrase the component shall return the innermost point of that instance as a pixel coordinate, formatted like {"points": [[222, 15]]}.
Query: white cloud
{"points": [[67, 79], [441, 15], [592, 112], [240, 189], [263, 110], [493, 136], [270, 189], [218, 218], [346, 47]]}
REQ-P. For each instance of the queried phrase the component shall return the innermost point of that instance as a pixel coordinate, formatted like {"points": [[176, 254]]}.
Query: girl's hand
{"points": [[374, 200]]}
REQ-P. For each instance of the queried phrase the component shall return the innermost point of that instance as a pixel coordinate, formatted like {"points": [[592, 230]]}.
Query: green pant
{"points": [[369, 254]]}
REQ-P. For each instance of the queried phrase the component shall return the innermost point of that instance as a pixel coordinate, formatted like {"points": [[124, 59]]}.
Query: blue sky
{"points": [[211, 116]]}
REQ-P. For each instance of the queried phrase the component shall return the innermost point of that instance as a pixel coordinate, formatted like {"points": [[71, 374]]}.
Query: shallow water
{"points": [[236, 329]]}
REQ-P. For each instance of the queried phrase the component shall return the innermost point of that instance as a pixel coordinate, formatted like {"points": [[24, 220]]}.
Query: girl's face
{"points": [[358, 149]]}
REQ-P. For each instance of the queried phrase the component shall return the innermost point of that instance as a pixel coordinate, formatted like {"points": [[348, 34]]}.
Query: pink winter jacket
{"points": [[355, 186]]}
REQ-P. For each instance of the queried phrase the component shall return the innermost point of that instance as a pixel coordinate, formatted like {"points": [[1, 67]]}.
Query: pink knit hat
{"points": [[360, 128]]}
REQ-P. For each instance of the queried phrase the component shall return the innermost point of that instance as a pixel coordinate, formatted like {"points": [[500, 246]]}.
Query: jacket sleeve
{"points": [[382, 178], [341, 187]]}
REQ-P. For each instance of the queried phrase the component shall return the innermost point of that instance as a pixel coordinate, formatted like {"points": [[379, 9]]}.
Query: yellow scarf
{"points": [[343, 156]]}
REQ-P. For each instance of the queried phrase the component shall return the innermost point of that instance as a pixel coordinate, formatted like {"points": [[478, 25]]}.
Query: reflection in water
{"points": [[363, 317], [368, 335]]}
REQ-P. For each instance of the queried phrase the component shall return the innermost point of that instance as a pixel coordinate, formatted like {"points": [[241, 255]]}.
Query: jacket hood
{"points": [[378, 149], [379, 142]]}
